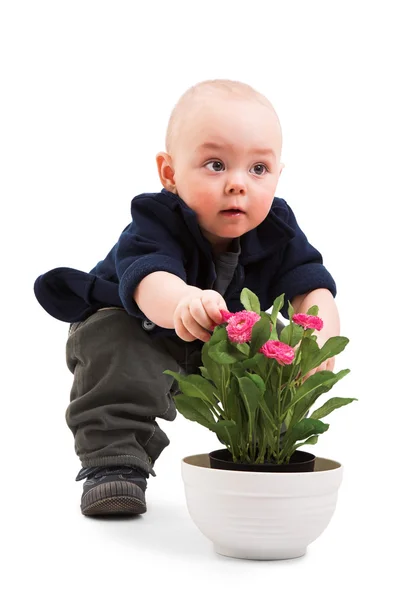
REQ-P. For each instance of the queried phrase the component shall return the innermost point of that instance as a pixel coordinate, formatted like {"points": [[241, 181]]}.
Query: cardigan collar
{"points": [[258, 243]]}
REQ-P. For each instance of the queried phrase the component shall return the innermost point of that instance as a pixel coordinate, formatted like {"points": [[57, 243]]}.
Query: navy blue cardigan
{"points": [[164, 235]]}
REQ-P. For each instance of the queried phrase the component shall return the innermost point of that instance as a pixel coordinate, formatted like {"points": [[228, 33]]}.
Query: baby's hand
{"points": [[197, 313]]}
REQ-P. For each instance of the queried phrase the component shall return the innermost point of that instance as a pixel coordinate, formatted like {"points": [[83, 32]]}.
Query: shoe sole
{"points": [[114, 498]]}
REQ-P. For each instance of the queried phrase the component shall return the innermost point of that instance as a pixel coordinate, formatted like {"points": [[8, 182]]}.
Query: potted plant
{"points": [[260, 497]]}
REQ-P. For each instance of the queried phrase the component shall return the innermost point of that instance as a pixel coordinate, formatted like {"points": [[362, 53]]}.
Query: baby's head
{"points": [[223, 149]]}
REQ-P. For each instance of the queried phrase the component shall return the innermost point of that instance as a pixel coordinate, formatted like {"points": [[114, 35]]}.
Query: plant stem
{"points": [[279, 409], [270, 369], [223, 391], [232, 449], [294, 366]]}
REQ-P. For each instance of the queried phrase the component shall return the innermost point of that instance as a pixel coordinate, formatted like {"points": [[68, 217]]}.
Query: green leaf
{"points": [[173, 373], [333, 347], [289, 373], [224, 423], [224, 354], [303, 429], [226, 431], [194, 409], [288, 418], [258, 381], [240, 413], [273, 380], [213, 369], [196, 386], [313, 310], [268, 415], [250, 301], [205, 373], [310, 390], [270, 401], [233, 403], [255, 362], [308, 427], [310, 352], [311, 358], [243, 348], [252, 398], [291, 334], [330, 406], [278, 304], [290, 311], [260, 333], [238, 370], [311, 440], [219, 334]]}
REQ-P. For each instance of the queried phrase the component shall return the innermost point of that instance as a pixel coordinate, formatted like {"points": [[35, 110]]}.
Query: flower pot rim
{"points": [[202, 461]]}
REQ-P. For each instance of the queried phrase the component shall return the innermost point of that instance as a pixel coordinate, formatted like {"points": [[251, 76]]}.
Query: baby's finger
{"points": [[213, 310], [221, 302], [199, 314], [193, 327], [182, 332], [180, 329]]}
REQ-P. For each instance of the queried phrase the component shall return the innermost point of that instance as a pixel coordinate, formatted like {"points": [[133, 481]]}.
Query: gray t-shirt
{"points": [[225, 265]]}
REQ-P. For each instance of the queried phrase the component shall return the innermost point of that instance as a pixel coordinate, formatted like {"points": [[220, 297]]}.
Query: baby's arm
{"points": [[169, 302], [328, 312]]}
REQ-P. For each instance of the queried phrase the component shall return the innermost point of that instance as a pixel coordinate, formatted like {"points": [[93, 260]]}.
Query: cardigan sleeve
{"points": [[149, 244], [301, 268]]}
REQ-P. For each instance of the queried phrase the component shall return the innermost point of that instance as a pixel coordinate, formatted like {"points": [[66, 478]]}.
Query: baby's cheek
{"points": [[206, 206]]}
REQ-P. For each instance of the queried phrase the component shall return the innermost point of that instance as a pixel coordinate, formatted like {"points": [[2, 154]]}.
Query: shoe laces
{"points": [[97, 472]]}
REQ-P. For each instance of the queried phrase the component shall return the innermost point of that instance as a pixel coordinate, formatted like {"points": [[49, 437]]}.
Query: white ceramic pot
{"points": [[260, 516]]}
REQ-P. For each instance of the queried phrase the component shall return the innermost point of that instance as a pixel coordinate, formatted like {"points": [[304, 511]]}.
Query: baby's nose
{"points": [[235, 186]]}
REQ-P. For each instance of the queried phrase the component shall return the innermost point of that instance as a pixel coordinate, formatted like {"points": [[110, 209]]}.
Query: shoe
{"points": [[118, 490]]}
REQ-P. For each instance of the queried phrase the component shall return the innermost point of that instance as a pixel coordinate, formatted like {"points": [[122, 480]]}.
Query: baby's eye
{"points": [[259, 169], [216, 165]]}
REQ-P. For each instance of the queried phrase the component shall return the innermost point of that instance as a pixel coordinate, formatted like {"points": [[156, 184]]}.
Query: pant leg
{"points": [[119, 389]]}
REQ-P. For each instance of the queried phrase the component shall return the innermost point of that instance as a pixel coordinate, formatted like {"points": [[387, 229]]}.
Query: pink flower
{"points": [[226, 315], [240, 325], [308, 321], [283, 353]]}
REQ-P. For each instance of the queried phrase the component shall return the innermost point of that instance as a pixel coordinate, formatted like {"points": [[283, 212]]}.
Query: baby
{"points": [[189, 250]]}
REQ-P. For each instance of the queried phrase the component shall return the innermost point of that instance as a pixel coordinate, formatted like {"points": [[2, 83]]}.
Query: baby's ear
{"points": [[166, 171]]}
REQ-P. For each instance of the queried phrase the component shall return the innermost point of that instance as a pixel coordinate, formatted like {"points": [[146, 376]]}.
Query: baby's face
{"points": [[226, 164]]}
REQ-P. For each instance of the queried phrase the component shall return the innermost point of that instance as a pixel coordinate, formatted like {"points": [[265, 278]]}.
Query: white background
{"points": [[87, 88]]}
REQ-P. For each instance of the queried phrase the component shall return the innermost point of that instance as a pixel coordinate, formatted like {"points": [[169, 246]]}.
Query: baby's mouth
{"points": [[233, 212]]}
